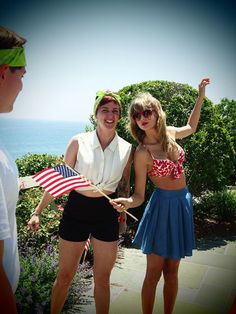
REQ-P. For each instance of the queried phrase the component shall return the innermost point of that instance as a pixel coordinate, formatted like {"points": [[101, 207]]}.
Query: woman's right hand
{"points": [[121, 204], [33, 223]]}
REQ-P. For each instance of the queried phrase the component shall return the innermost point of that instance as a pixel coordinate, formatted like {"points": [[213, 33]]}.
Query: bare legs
{"points": [[157, 265], [104, 259], [153, 274], [69, 256], [170, 273]]}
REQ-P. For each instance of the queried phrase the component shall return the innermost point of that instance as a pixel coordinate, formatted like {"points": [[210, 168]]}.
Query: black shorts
{"points": [[84, 215]]}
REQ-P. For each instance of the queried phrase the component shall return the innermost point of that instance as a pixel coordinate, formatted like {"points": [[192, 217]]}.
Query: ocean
{"points": [[39, 137]]}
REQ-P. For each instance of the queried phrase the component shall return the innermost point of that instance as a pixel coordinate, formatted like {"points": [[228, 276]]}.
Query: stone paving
{"points": [[207, 281]]}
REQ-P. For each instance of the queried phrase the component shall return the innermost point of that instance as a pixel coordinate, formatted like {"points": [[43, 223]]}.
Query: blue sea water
{"points": [[34, 136]]}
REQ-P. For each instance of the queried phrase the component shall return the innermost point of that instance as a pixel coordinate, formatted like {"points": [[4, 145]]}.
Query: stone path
{"points": [[207, 281]]}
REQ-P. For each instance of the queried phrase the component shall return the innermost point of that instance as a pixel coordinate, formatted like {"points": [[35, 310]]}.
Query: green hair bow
{"points": [[101, 94]]}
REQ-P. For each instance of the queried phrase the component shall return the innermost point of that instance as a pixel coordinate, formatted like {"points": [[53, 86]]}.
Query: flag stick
{"points": [[86, 248], [100, 191]]}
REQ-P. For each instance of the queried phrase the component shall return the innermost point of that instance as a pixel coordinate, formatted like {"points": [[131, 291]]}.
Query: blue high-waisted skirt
{"points": [[166, 228]]}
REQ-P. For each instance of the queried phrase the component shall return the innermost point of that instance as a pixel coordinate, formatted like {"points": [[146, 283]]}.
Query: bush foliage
{"points": [[30, 164], [29, 199], [49, 220], [219, 205], [227, 111], [38, 272]]}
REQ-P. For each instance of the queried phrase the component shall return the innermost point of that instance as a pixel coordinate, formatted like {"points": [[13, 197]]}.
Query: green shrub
{"points": [[49, 220], [30, 164], [220, 205], [38, 272]]}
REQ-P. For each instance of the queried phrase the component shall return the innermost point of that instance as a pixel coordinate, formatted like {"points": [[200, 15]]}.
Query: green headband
{"points": [[14, 57], [101, 94]]}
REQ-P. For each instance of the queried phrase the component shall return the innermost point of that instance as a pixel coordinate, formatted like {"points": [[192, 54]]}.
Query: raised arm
{"points": [[194, 117], [70, 159]]}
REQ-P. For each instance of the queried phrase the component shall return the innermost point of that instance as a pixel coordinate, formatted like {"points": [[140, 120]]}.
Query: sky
{"points": [[75, 48]]}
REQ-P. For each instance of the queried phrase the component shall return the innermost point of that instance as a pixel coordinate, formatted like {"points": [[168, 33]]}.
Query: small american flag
{"points": [[87, 244], [86, 248], [60, 180]]}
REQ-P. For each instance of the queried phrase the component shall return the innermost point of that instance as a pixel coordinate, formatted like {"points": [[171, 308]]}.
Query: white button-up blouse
{"points": [[102, 168]]}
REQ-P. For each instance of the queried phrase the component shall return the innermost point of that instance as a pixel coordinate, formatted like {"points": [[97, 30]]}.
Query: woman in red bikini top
{"points": [[166, 232], [167, 167], [158, 156]]}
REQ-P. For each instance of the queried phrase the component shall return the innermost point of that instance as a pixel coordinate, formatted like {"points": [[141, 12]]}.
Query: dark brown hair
{"points": [[9, 39], [107, 99]]}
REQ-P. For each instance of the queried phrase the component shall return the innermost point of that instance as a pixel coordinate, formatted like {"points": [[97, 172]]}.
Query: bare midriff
{"points": [[167, 183], [91, 193]]}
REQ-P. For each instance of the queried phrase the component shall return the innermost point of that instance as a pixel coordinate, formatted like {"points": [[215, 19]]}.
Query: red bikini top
{"points": [[167, 167]]}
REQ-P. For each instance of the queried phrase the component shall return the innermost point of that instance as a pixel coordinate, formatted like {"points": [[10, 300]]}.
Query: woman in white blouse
{"points": [[105, 159]]}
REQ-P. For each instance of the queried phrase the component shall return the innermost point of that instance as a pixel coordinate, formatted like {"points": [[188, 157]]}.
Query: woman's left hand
{"points": [[204, 82]]}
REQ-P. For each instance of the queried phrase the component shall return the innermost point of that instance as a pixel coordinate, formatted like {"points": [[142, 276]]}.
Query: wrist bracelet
{"points": [[34, 214]]}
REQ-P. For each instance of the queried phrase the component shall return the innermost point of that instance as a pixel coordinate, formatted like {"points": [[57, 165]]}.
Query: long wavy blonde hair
{"points": [[142, 102]]}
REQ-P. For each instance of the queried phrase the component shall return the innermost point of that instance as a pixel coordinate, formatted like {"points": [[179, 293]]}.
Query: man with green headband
{"points": [[12, 69]]}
